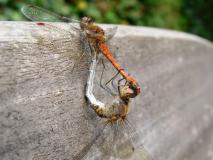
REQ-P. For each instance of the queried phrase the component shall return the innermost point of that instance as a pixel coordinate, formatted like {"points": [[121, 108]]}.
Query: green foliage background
{"points": [[194, 16]]}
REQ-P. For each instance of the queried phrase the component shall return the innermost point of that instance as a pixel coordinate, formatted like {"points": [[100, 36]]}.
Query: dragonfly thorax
{"points": [[94, 33]]}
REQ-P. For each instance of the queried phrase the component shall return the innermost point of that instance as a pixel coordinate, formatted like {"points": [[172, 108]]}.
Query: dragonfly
{"points": [[90, 32], [118, 110], [125, 139]]}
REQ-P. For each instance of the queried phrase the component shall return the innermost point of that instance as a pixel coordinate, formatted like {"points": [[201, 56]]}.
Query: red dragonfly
{"points": [[91, 32]]}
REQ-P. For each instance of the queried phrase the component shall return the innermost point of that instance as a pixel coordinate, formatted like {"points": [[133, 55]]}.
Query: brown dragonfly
{"points": [[124, 140]]}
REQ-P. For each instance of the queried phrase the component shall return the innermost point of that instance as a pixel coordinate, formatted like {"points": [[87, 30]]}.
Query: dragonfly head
{"points": [[136, 89], [134, 86], [85, 21], [126, 92]]}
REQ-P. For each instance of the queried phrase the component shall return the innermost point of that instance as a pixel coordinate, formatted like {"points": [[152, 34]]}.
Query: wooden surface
{"points": [[43, 113]]}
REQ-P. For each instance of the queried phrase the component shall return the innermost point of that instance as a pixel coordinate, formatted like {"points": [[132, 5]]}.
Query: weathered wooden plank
{"points": [[43, 113]]}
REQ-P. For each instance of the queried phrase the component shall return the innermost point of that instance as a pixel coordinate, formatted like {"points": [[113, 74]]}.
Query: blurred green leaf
{"points": [[3, 2], [191, 16], [111, 17], [93, 12]]}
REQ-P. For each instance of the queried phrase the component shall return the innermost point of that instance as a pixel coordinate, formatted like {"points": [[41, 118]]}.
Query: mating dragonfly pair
{"points": [[94, 37]]}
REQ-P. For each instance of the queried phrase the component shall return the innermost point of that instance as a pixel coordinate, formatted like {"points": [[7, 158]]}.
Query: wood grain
{"points": [[43, 112]]}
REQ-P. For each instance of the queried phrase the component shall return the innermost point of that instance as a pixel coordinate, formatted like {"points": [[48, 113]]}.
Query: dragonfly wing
{"points": [[134, 137], [110, 32], [35, 13], [83, 153]]}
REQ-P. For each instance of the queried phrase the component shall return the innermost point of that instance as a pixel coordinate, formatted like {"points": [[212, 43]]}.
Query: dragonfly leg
{"points": [[114, 77], [113, 84], [101, 84], [119, 84], [112, 81], [91, 49]]}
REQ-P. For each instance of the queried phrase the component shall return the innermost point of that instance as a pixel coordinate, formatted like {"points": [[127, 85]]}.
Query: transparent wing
{"points": [[82, 154], [110, 32], [35, 13], [127, 135], [115, 142]]}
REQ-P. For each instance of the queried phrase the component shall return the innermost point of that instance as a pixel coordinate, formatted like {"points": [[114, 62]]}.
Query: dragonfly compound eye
{"points": [[86, 20], [126, 92]]}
